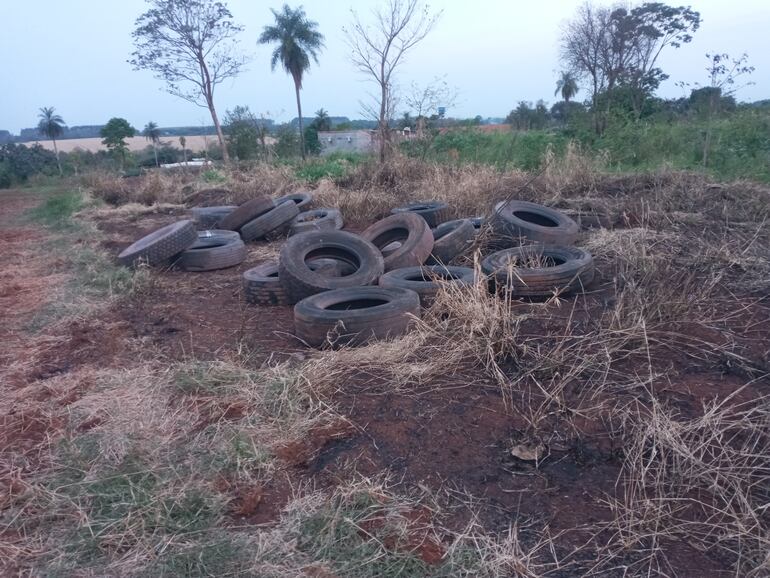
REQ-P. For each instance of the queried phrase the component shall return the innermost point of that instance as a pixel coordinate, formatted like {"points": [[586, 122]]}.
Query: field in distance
{"points": [[137, 143]]}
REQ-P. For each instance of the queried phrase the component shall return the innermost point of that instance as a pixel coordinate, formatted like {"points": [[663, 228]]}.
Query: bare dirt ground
{"points": [[452, 432]]}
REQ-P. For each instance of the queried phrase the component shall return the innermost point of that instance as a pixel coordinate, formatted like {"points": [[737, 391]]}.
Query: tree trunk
{"points": [[56, 151], [220, 134], [383, 122], [155, 149], [299, 113]]}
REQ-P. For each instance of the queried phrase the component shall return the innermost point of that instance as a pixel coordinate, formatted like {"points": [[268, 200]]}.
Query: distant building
{"points": [[351, 141]]}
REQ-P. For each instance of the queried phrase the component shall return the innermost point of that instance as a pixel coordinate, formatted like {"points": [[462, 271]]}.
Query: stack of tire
{"points": [[349, 289], [545, 262]]}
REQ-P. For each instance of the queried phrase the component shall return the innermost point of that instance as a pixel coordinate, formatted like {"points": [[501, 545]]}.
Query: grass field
{"points": [[155, 424]]}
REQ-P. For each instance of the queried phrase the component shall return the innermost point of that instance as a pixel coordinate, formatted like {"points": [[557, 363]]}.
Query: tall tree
{"points": [[52, 126], [618, 48], [152, 133], [191, 45], [114, 135], [297, 40], [567, 86], [379, 49]]}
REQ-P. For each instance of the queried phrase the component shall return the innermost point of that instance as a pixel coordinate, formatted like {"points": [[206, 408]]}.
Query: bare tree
{"points": [[380, 47], [189, 44], [723, 72], [424, 101]]}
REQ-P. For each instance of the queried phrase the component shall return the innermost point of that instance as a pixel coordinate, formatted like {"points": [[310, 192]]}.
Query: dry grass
{"points": [[704, 480]]}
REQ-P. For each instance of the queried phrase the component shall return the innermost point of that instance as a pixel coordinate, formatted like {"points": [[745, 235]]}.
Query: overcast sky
{"points": [[72, 55]]}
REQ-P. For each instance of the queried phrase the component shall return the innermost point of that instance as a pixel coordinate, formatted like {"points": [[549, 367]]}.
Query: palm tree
{"points": [[322, 121], [52, 126], [297, 40], [152, 133], [567, 85]]}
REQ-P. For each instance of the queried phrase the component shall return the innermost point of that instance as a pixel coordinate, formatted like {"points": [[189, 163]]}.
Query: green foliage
{"points": [[515, 149], [57, 209], [312, 144], [19, 162], [213, 176], [740, 144], [242, 130], [114, 135], [51, 124], [287, 142], [333, 166]]}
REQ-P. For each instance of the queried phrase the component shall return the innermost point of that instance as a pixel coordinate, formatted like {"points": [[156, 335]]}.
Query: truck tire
{"points": [[427, 280], [434, 212], [160, 245], [540, 270], [300, 281], [355, 315], [408, 229]]}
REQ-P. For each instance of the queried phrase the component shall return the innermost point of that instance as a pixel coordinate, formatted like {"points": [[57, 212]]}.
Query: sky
{"points": [[73, 55]]}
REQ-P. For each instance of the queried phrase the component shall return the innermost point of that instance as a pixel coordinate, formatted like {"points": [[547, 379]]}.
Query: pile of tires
{"points": [[348, 289]]}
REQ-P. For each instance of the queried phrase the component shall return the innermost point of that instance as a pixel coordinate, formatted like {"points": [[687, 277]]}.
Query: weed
{"points": [[213, 176], [58, 208]]}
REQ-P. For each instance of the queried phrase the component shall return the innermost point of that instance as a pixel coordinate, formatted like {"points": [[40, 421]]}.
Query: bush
{"points": [[19, 162]]}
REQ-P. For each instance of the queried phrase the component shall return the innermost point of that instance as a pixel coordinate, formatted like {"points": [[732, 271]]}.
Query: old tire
{"points": [[210, 217], [536, 223], [409, 229], [434, 212], [219, 250], [246, 212], [427, 280], [271, 221], [303, 200], [355, 315], [478, 223], [557, 269], [300, 281], [316, 220], [160, 245], [262, 286], [450, 240]]}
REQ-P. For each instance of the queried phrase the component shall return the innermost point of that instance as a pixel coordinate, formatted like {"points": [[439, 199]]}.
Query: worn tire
{"points": [[561, 269], [478, 223], [261, 284], [300, 281], [316, 220], [274, 219], [160, 245], [217, 251], [427, 280], [210, 217], [434, 212], [411, 230], [246, 212], [450, 240], [355, 315], [535, 223], [302, 199]]}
